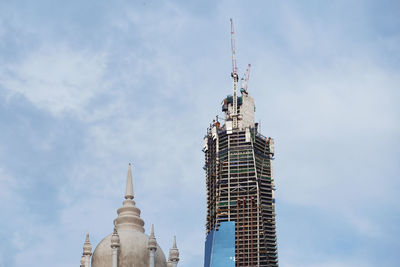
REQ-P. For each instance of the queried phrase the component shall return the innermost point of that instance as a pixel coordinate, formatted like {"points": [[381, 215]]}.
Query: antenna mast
{"points": [[235, 78]]}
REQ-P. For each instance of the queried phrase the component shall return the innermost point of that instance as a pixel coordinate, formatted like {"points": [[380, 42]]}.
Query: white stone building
{"points": [[128, 245]]}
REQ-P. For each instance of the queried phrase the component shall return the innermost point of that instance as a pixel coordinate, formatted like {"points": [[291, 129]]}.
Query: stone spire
{"points": [[152, 247], [174, 254], [87, 251], [129, 184], [152, 240], [115, 239], [87, 247], [129, 215], [115, 247]]}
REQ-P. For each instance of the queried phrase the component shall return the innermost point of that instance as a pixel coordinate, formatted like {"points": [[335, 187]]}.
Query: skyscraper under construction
{"points": [[241, 229]]}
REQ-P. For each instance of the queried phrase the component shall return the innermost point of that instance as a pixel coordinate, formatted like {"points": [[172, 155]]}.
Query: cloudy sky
{"points": [[88, 86]]}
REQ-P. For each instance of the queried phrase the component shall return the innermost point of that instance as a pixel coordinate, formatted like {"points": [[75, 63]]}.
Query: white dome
{"points": [[133, 251], [133, 246]]}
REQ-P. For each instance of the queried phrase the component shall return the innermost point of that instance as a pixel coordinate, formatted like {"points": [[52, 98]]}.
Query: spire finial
{"points": [[129, 184], [174, 253], [152, 244], [129, 214], [87, 247], [87, 240]]}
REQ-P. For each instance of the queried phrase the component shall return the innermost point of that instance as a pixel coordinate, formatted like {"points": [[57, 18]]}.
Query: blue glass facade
{"points": [[220, 246]]}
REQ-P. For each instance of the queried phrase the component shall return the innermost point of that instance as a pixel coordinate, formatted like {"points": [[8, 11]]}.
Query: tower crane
{"points": [[235, 78], [245, 79]]}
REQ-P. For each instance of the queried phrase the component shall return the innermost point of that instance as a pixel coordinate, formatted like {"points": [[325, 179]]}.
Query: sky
{"points": [[87, 87]]}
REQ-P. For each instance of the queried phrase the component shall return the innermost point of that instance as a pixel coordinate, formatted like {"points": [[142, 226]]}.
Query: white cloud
{"points": [[14, 212], [343, 118], [320, 112], [57, 78]]}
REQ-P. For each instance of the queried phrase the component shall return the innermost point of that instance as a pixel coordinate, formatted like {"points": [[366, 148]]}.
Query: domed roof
{"points": [[133, 251], [133, 244]]}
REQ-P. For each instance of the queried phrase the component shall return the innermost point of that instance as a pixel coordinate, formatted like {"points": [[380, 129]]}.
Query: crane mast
{"points": [[235, 78], [245, 79]]}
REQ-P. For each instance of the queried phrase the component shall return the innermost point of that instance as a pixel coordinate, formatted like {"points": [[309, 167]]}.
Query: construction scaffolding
{"points": [[240, 188], [239, 179]]}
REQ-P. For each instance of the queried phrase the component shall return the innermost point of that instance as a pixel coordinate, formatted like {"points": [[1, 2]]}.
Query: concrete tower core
{"points": [[241, 229]]}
